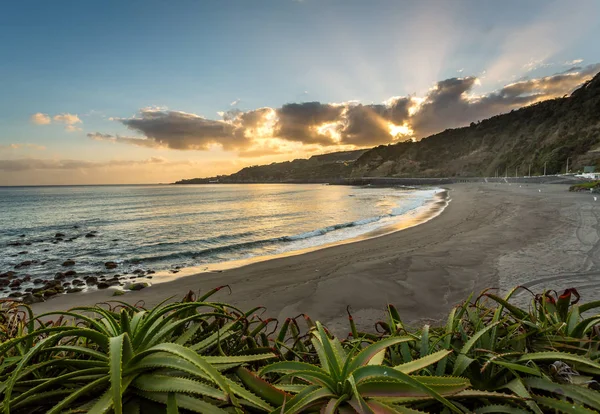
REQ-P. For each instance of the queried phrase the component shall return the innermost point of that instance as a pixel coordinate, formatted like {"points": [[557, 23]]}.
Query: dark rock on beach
{"points": [[137, 286], [111, 265], [70, 273], [69, 263]]}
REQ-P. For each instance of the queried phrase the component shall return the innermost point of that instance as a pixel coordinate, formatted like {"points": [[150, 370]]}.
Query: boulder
{"points": [[15, 283], [111, 265], [50, 292], [91, 280], [23, 252], [103, 285], [70, 273], [69, 262], [38, 281], [74, 290], [28, 299], [10, 274], [26, 278], [24, 264], [137, 286], [59, 276], [118, 293], [89, 235], [59, 235]]}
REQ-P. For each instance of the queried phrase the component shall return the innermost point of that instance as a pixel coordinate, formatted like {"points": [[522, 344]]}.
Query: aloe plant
{"points": [[118, 360]]}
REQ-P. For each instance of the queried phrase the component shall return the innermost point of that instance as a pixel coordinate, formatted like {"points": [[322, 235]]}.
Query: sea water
{"points": [[170, 227]]}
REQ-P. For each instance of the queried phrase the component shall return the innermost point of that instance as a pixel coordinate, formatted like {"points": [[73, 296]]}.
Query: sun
{"points": [[402, 130]]}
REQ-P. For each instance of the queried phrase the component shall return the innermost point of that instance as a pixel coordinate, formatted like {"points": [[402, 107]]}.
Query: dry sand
{"points": [[490, 235]]}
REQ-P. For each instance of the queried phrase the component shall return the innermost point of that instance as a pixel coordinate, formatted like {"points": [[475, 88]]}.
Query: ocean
{"points": [[167, 228]]}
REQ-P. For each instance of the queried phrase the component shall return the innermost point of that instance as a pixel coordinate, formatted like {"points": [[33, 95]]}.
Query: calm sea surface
{"points": [[168, 227]]}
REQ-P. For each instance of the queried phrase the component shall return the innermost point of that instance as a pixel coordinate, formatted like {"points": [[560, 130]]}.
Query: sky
{"points": [[113, 92]]}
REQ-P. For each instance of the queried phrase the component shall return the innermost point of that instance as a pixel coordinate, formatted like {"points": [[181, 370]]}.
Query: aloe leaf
{"points": [[188, 334], [588, 306], [449, 332], [358, 402], [261, 387], [198, 361], [239, 359], [79, 350], [249, 398], [220, 334], [575, 392], [116, 371], [582, 327], [463, 361], [332, 360], [497, 408], [56, 380], [381, 408], [516, 311], [172, 404], [305, 399], [562, 405], [421, 363], [518, 388], [289, 367], [517, 367], [333, 404], [291, 388], [78, 393], [558, 356], [374, 371], [388, 389], [170, 384], [183, 401], [372, 350]]}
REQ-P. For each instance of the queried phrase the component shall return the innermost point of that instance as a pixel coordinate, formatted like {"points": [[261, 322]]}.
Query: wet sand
{"points": [[490, 235]]}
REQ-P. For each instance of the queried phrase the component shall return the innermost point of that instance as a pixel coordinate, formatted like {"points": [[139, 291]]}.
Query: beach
{"points": [[489, 235]]}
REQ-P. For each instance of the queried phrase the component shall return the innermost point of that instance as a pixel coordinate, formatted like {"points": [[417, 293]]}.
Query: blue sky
{"points": [[106, 61]]}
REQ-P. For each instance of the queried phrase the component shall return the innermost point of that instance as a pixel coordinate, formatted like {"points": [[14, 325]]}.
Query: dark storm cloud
{"points": [[298, 121]]}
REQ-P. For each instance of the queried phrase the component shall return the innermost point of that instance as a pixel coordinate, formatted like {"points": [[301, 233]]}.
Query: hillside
{"points": [[547, 133], [317, 168]]}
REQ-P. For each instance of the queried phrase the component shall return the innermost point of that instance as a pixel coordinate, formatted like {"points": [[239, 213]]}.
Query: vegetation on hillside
{"points": [[588, 186], [547, 133], [209, 357]]}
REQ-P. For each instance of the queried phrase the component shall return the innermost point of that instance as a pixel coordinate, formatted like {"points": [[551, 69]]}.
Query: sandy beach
{"points": [[490, 235]]}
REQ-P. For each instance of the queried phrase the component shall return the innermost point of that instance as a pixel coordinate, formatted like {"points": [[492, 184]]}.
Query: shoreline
{"points": [[420, 215], [490, 235]]}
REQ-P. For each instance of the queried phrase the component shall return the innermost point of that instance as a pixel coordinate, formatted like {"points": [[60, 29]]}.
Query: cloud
{"points": [[140, 142], [25, 164], [234, 103], [40, 119], [22, 146], [68, 119], [183, 131], [573, 62], [301, 122], [296, 127]]}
